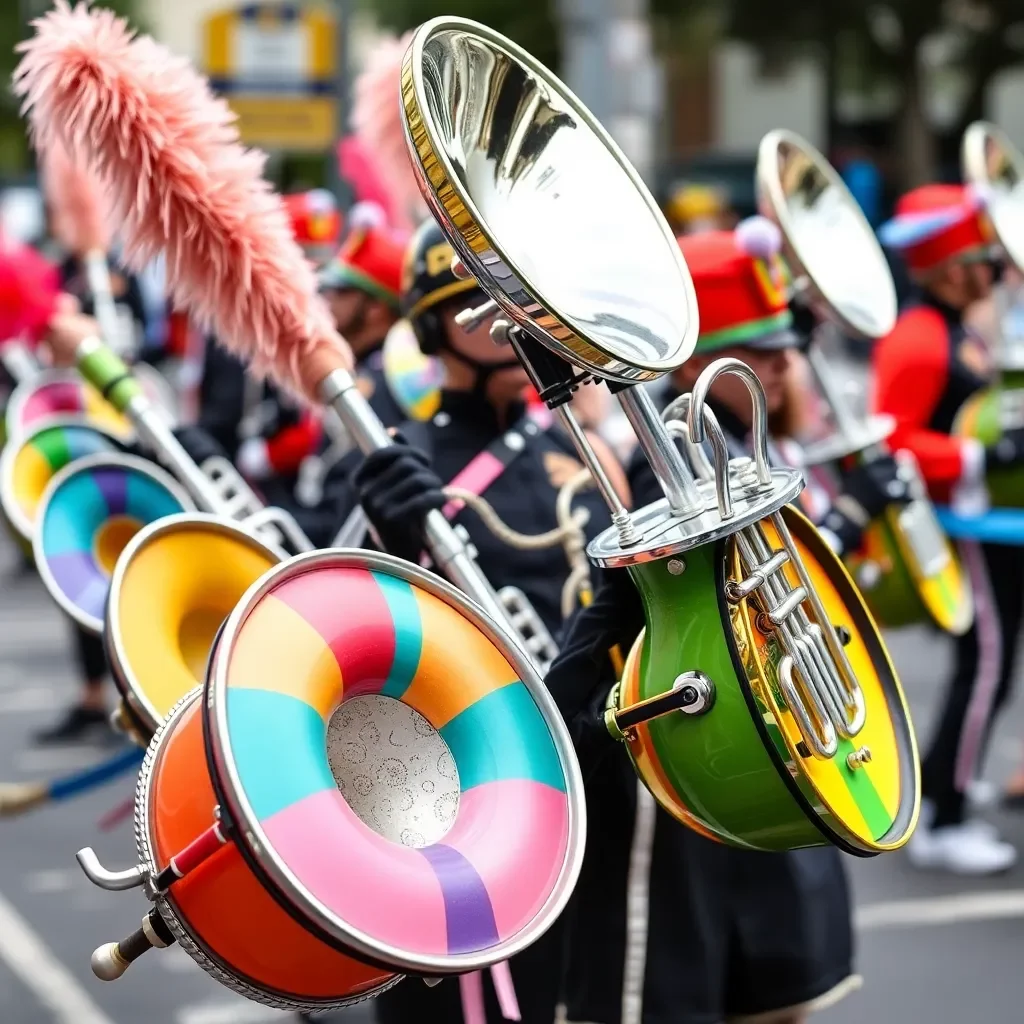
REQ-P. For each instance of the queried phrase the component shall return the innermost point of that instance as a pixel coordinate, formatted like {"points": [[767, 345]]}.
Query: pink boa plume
{"points": [[29, 291], [169, 155], [81, 214], [359, 170], [377, 122]]}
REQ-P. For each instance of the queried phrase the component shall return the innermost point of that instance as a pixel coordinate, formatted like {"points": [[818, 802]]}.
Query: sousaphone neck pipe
{"points": [[338, 390], [668, 464], [846, 423]]}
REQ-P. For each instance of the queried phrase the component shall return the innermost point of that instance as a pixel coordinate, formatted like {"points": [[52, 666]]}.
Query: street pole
{"points": [[343, 15], [608, 61]]}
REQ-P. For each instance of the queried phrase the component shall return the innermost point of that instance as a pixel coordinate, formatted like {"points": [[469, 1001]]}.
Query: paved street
{"points": [[931, 948]]}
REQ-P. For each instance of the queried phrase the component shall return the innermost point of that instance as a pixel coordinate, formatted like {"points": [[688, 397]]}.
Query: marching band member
{"points": [[667, 925], [482, 439], [924, 372], [362, 285]]}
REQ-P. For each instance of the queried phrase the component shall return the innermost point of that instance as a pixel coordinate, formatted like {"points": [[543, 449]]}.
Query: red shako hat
{"points": [[316, 222], [742, 287], [370, 259], [936, 223]]}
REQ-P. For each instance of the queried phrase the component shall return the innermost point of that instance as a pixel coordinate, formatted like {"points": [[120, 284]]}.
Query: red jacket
{"points": [[922, 378]]}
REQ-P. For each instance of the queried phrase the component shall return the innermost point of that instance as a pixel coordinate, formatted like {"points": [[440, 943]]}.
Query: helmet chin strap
{"points": [[482, 372]]}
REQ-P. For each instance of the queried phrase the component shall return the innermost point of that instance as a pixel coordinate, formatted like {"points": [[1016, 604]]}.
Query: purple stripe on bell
{"points": [[77, 576], [113, 485], [468, 912]]}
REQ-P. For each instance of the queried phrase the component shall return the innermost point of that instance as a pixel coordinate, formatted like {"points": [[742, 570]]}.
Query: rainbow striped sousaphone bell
{"points": [[89, 512], [31, 459]]}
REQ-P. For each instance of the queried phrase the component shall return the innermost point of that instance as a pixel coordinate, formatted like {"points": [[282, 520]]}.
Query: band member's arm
{"points": [[911, 368], [283, 451], [222, 396], [867, 490], [583, 674]]}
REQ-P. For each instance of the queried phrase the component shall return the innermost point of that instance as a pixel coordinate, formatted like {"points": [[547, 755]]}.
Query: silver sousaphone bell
{"points": [[513, 166], [840, 272]]}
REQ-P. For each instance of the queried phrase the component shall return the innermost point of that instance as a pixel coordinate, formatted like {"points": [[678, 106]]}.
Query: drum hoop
{"points": [[205, 957], [788, 765], [260, 853], [150, 533], [17, 441], [133, 462], [461, 215], [21, 394]]}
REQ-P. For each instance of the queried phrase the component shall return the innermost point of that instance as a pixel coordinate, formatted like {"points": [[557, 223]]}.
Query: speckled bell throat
{"points": [[394, 770]]}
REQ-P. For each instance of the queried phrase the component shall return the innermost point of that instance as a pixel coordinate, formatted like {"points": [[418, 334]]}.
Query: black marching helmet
{"points": [[427, 281]]}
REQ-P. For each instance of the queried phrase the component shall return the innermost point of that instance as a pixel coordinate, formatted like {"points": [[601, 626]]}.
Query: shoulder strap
{"points": [[484, 469]]}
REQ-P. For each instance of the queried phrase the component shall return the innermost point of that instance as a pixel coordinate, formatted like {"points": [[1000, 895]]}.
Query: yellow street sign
{"points": [[276, 65]]}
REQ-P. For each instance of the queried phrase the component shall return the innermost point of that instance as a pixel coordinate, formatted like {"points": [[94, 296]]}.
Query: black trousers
{"points": [[982, 677], [536, 974], [92, 659]]}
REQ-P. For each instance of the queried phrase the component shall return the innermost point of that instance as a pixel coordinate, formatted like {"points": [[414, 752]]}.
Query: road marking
{"points": [[51, 761], [231, 1013], [54, 880], [973, 906], [51, 983]]}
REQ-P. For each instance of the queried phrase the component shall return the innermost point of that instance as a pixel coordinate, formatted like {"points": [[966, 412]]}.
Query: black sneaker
{"points": [[78, 723]]}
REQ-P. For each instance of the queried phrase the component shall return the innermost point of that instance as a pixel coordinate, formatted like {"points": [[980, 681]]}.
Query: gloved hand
{"points": [[199, 444], [868, 490], [875, 485], [1008, 451], [397, 488]]}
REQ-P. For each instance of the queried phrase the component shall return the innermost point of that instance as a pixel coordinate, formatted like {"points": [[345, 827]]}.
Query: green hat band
{"points": [[341, 275], [747, 332]]}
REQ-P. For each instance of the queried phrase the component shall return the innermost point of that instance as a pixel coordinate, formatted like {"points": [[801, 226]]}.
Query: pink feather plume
{"points": [[81, 213], [358, 169], [29, 293], [377, 122], [169, 155]]}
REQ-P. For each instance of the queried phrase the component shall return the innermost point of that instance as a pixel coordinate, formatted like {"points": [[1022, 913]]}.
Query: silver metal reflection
{"points": [[834, 256], [519, 166]]}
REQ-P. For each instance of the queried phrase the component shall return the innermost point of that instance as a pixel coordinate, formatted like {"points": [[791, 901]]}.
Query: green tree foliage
{"points": [[532, 24], [885, 43], [15, 18]]}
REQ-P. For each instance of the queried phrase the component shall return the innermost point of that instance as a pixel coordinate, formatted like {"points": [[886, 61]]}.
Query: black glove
{"points": [[199, 444], [397, 488], [868, 490], [1008, 451], [875, 485]]}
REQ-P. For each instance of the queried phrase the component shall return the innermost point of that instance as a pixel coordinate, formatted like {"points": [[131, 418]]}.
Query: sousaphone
{"points": [[759, 705], [993, 165], [906, 567]]}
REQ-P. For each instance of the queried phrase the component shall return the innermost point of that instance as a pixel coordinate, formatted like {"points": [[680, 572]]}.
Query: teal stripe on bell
{"points": [[278, 743], [405, 616], [503, 736], [742, 334]]}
